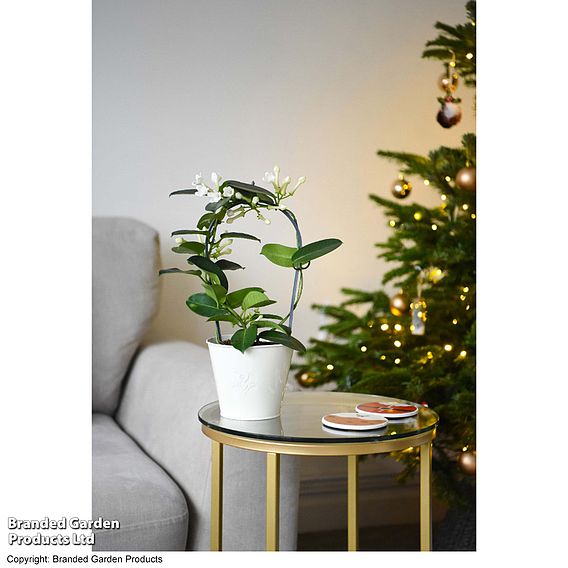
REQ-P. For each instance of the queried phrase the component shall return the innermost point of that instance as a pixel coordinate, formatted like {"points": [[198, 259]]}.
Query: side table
{"points": [[298, 431]]}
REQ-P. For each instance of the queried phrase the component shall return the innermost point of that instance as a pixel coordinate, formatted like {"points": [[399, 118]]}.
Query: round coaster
{"points": [[387, 410], [353, 421]]}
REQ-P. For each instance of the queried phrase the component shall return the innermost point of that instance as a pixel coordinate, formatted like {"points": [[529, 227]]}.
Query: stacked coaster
{"points": [[369, 416]]}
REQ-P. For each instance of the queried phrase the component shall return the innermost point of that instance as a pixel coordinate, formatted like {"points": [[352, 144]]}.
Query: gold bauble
{"points": [[448, 83], [399, 304], [465, 179], [401, 188], [306, 379], [466, 462]]}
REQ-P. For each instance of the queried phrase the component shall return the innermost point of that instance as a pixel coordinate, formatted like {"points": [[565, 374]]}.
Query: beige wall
{"points": [[317, 86]]}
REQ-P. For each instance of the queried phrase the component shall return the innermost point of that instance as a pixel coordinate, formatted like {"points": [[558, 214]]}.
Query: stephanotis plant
{"points": [[229, 201]]}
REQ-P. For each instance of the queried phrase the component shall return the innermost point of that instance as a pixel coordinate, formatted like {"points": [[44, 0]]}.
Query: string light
{"points": [[426, 182], [392, 222], [465, 206], [469, 56], [465, 289], [443, 197], [363, 348], [448, 178], [397, 343], [434, 227], [412, 328], [397, 326], [384, 326], [383, 357], [462, 297], [452, 63], [429, 355], [464, 449], [330, 367], [397, 361], [473, 215], [370, 324], [418, 215], [448, 347], [455, 321], [463, 354], [467, 307]]}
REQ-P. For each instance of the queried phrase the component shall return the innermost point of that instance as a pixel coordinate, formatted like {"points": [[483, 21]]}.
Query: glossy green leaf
{"points": [[188, 232], [235, 299], [225, 264], [184, 192], [262, 193], [279, 254], [204, 305], [242, 339], [273, 325], [209, 266], [227, 316], [189, 247], [233, 235], [282, 339], [179, 271], [205, 220], [216, 205], [215, 291], [314, 250], [255, 299]]}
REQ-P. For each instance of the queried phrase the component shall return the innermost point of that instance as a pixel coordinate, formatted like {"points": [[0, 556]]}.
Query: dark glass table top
{"points": [[300, 420]]}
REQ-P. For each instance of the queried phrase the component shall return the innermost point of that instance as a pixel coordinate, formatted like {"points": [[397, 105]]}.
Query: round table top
{"points": [[300, 420]]}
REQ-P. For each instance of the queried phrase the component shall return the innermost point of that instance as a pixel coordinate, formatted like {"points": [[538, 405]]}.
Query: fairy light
{"points": [[443, 197], [464, 449], [363, 348], [397, 361], [397, 326], [469, 56], [455, 321], [465, 206], [392, 222], [463, 354], [412, 328], [434, 227], [473, 215], [426, 182], [429, 355], [448, 347], [330, 367], [448, 178], [370, 324], [418, 215], [397, 343], [384, 326], [452, 63], [383, 357], [467, 307], [462, 297], [465, 289]]}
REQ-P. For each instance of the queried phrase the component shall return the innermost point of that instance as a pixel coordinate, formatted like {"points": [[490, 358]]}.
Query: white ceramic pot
{"points": [[250, 385]]}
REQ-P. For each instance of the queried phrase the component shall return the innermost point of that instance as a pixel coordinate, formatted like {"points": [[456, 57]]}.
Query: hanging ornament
{"points": [[418, 326], [306, 379], [399, 304], [450, 113], [401, 188], [465, 179], [448, 82], [466, 462]]}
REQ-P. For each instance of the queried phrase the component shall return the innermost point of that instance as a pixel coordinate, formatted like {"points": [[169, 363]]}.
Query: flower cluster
{"points": [[281, 188], [213, 193]]}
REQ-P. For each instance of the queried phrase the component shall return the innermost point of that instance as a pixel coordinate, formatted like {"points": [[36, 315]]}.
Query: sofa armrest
{"points": [[168, 383]]}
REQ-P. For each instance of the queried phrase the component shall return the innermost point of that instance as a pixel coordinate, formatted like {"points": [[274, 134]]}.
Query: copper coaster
{"points": [[353, 421], [384, 409]]}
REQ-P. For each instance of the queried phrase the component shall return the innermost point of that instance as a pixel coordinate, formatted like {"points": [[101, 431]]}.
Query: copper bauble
{"points": [[448, 83], [450, 114], [466, 462], [401, 188], [399, 304], [465, 179]]}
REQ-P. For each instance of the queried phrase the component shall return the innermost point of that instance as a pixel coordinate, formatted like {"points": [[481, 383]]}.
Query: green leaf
{"points": [[314, 250], [209, 266], [179, 271], [205, 220], [255, 299], [216, 205], [272, 325], [204, 305], [244, 338], [189, 247], [184, 192], [233, 235], [235, 299], [225, 317], [225, 264], [282, 339], [263, 194], [215, 291], [279, 254], [188, 232]]}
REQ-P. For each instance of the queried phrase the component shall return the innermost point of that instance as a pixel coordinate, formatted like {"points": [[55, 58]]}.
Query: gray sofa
{"points": [[151, 463]]}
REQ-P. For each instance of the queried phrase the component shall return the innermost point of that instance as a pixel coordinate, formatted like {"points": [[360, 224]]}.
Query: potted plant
{"points": [[250, 365]]}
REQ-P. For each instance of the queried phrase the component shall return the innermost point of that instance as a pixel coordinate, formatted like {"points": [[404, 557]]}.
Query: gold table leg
{"points": [[425, 497], [352, 498], [216, 495], [272, 501]]}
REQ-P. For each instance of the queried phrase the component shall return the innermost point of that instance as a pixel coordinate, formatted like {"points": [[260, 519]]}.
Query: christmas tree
{"points": [[419, 344]]}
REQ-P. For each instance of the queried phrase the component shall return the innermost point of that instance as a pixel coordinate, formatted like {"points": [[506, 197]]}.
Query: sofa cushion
{"points": [[125, 297], [130, 487]]}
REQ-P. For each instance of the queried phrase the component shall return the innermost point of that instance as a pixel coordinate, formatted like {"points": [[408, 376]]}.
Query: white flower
{"points": [[269, 177], [299, 183], [179, 240], [198, 180], [228, 192], [214, 196], [216, 179], [201, 190], [255, 200], [239, 195]]}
